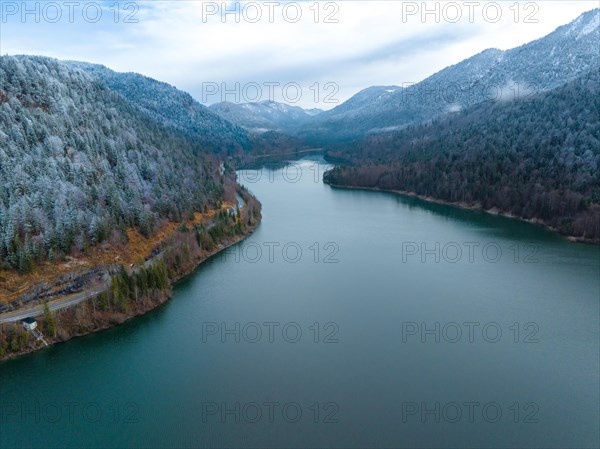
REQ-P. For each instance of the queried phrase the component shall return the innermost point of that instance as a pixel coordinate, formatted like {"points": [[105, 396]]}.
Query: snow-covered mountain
{"points": [[368, 98], [172, 107], [79, 162], [538, 66], [265, 115]]}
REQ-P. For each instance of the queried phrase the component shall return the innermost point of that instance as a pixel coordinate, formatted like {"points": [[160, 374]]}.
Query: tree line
{"points": [[535, 158]]}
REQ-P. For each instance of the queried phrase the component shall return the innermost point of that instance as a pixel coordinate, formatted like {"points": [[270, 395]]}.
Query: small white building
{"points": [[29, 323]]}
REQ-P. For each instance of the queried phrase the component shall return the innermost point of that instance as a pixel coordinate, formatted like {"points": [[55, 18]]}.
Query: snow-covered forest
{"points": [[173, 108], [79, 162]]}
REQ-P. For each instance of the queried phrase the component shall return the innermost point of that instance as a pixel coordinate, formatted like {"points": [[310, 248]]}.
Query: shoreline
{"points": [[118, 318], [465, 206]]}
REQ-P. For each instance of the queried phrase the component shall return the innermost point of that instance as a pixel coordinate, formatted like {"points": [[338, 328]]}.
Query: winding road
{"points": [[17, 315]]}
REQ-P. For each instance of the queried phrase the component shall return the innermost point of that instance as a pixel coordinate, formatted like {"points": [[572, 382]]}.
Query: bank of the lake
{"points": [[94, 314], [466, 206]]}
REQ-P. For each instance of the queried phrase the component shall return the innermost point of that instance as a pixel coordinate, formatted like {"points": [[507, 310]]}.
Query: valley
{"points": [[515, 156], [416, 266]]}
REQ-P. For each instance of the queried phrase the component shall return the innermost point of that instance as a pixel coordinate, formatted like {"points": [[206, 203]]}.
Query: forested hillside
{"points": [[211, 129], [173, 108], [535, 158], [79, 164]]}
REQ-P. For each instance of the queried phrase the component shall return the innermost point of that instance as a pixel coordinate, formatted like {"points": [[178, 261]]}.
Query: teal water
{"points": [[359, 343]]}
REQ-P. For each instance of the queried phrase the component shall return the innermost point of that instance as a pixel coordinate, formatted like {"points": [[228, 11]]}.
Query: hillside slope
{"points": [[80, 164], [173, 108], [536, 158]]}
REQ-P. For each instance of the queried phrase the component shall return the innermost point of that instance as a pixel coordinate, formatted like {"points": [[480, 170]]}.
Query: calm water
{"points": [[359, 343]]}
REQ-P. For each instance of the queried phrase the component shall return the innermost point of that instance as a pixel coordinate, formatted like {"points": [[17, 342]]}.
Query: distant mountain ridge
{"points": [[265, 115], [538, 66]]}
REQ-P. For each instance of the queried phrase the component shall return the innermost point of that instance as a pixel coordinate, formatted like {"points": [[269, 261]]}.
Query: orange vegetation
{"points": [[13, 285]]}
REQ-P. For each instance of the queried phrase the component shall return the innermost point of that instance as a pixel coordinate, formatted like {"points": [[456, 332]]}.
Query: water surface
{"points": [[385, 357]]}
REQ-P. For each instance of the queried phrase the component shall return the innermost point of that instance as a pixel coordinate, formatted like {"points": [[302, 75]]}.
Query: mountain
{"points": [[538, 66], [265, 115], [536, 158], [365, 100], [80, 163], [210, 130], [173, 108]]}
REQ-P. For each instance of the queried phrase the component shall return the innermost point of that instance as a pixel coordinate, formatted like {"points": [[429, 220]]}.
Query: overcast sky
{"points": [[344, 46]]}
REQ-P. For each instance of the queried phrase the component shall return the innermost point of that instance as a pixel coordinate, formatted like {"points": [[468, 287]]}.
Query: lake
{"points": [[349, 319]]}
